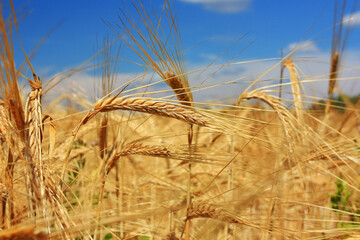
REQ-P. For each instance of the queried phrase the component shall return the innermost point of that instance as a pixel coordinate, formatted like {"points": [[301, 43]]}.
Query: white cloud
{"points": [[352, 20], [234, 78], [84, 85], [224, 6], [313, 68], [209, 56], [303, 47]]}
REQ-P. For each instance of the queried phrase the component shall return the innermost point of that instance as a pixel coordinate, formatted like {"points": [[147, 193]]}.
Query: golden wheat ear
{"points": [[203, 210], [181, 88], [137, 149], [284, 115], [145, 105], [340, 32], [333, 73], [332, 79], [33, 123], [295, 85]]}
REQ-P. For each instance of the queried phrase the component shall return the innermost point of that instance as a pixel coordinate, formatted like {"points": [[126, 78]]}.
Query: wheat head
{"points": [[139, 149], [146, 106], [180, 87], [295, 85]]}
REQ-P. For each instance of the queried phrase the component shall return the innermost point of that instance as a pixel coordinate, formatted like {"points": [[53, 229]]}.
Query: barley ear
{"points": [[145, 105], [332, 79], [34, 134], [284, 115], [202, 210], [181, 88], [295, 85], [136, 149]]}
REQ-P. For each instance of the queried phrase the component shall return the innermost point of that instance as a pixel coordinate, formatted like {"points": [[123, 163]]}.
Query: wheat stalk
{"points": [[159, 56], [116, 153], [181, 88], [103, 136], [53, 193]]}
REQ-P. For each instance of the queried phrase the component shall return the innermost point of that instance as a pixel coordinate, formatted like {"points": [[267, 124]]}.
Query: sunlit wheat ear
{"points": [[284, 115], [23, 233], [5, 125], [295, 85], [138, 149], [332, 78], [33, 123], [203, 210], [8, 147], [146, 106], [180, 87], [333, 73]]}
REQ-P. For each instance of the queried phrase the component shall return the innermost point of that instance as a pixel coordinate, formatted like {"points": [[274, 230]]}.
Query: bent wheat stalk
{"points": [[283, 114], [146, 106]]}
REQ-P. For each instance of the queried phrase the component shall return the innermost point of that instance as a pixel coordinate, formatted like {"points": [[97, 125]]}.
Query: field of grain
{"points": [[143, 163]]}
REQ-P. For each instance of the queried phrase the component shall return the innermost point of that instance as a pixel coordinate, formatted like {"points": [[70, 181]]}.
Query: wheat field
{"points": [[143, 163]]}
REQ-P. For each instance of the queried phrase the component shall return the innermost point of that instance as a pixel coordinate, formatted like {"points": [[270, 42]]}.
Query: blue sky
{"points": [[208, 27]]}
